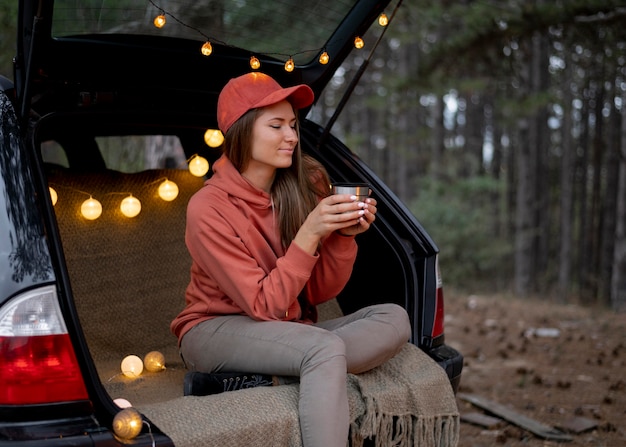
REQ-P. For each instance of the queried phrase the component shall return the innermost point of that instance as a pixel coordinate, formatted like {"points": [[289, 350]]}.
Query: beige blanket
{"points": [[408, 401]]}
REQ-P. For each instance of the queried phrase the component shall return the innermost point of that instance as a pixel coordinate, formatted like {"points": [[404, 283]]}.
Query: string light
{"points": [[206, 49], [255, 63], [127, 423], [290, 65], [130, 206], [91, 209], [168, 190], [198, 166], [132, 366], [213, 137], [383, 20], [122, 403], [160, 20], [53, 195], [154, 361], [358, 42]]}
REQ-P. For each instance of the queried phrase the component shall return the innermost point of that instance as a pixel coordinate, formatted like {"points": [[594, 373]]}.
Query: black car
{"points": [[104, 108]]}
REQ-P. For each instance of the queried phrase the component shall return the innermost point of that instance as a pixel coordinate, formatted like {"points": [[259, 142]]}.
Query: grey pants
{"points": [[319, 354]]}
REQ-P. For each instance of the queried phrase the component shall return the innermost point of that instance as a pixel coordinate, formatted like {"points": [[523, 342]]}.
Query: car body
{"points": [[71, 89]]}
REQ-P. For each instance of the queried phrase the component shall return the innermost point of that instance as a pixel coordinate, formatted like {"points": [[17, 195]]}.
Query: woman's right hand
{"points": [[332, 213]]}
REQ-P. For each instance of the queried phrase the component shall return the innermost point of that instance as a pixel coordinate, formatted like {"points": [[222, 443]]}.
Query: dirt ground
{"points": [[561, 365]]}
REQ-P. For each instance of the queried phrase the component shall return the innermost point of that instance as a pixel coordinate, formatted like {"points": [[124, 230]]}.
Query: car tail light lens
{"points": [[38, 363], [439, 309]]}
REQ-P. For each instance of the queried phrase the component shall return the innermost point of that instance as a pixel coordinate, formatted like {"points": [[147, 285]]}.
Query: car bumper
{"points": [[451, 361]]}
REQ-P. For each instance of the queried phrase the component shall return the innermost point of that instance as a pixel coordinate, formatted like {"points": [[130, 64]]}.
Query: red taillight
{"points": [[37, 359], [439, 314], [439, 309], [39, 369]]}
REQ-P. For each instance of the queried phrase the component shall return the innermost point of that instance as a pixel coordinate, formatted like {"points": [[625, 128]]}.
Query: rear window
{"points": [[293, 27], [134, 153]]}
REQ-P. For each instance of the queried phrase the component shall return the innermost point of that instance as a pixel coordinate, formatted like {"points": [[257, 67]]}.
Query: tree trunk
{"points": [[609, 207], [523, 213], [528, 156], [542, 210], [582, 172], [567, 189], [438, 142], [618, 277]]}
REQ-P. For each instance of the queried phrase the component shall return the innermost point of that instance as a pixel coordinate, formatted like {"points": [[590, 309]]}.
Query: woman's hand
{"points": [[364, 221], [339, 212]]}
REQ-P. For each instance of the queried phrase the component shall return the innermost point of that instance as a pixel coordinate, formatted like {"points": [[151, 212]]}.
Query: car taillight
{"points": [[439, 310], [38, 362]]}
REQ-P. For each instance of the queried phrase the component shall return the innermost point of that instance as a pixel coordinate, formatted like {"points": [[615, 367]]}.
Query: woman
{"points": [[268, 243]]}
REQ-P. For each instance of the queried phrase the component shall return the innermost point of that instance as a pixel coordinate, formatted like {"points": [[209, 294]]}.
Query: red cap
{"points": [[254, 90]]}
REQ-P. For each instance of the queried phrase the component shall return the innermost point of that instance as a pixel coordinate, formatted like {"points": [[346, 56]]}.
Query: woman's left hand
{"points": [[364, 222]]}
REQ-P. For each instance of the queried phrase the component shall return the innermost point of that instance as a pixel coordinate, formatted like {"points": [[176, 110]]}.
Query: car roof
{"points": [[73, 47]]}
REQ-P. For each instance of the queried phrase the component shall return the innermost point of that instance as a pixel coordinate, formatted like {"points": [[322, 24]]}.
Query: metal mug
{"points": [[360, 190]]}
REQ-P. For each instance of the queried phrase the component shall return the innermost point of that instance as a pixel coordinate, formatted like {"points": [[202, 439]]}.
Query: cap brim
{"points": [[299, 96]]}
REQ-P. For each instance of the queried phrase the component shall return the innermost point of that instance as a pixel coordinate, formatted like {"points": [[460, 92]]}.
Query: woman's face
{"points": [[274, 139]]}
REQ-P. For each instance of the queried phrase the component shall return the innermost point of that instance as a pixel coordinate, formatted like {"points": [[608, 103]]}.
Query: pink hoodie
{"points": [[238, 263]]}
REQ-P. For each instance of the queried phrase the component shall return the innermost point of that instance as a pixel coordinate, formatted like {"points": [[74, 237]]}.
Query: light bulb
{"points": [[198, 166], [289, 65], [213, 137], [53, 195], [324, 58], [130, 206], [154, 361], [91, 209], [132, 366], [358, 42], [383, 20], [159, 21], [127, 423], [168, 191], [254, 63], [122, 403], [206, 49]]}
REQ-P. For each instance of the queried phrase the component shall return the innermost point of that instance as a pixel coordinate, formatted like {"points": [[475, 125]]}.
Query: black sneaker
{"points": [[203, 384]]}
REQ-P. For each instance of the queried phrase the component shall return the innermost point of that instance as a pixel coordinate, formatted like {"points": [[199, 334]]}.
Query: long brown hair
{"points": [[295, 191]]}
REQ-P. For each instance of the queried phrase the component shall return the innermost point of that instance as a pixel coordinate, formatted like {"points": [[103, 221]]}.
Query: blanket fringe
{"points": [[406, 430]]}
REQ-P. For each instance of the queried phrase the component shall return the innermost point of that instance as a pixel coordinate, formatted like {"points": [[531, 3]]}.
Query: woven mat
{"points": [[408, 401]]}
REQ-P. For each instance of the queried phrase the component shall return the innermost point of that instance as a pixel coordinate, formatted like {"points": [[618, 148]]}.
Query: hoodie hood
{"points": [[228, 179]]}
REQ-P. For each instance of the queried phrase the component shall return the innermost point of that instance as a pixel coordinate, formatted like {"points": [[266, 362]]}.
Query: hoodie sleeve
{"points": [[233, 256], [333, 269]]}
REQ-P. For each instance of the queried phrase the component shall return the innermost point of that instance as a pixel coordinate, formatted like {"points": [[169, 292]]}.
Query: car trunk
{"points": [[122, 280]]}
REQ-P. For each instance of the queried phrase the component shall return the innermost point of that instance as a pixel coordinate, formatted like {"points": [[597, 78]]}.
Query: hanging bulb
{"points": [[91, 209], [358, 42], [198, 166], [130, 206], [324, 58], [127, 423], [53, 195], [168, 191], [206, 49], [213, 137], [160, 20], [290, 65], [383, 20], [254, 63]]}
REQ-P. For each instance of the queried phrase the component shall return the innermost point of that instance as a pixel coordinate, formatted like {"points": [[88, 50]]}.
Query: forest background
{"points": [[502, 126]]}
